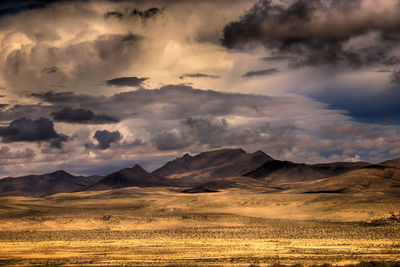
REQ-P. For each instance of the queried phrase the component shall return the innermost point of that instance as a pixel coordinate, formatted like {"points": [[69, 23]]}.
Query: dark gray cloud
{"points": [[59, 141], [261, 72], [82, 116], [171, 140], [126, 81], [106, 138], [14, 112], [198, 75], [315, 32], [7, 154], [134, 13], [194, 131], [276, 58], [11, 7], [151, 12], [27, 130], [168, 102], [50, 70], [216, 133], [64, 97], [131, 38], [114, 14], [395, 78]]}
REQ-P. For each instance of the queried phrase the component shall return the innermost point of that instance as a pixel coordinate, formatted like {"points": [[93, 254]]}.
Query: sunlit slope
{"points": [[373, 179]]}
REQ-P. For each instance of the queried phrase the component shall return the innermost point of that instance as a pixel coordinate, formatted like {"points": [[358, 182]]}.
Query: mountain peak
{"points": [[60, 173], [135, 176], [262, 153], [186, 156], [212, 164], [223, 151], [136, 168]]}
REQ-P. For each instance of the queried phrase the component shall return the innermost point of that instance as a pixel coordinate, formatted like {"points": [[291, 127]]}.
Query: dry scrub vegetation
{"points": [[159, 226]]}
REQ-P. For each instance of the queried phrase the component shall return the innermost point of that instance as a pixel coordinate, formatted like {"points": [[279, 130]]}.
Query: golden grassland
{"points": [[161, 226]]}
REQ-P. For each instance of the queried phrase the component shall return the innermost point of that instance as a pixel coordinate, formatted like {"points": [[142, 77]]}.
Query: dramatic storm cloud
{"points": [[143, 14], [94, 86], [174, 102], [27, 130], [213, 134], [106, 138], [126, 81], [260, 72], [82, 116], [316, 32], [198, 75]]}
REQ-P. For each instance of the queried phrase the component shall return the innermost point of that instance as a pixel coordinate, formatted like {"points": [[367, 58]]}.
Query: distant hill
{"points": [[46, 184], [286, 171], [204, 167], [216, 170], [128, 177], [392, 163], [246, 183], [372, 178], [277, 176]]}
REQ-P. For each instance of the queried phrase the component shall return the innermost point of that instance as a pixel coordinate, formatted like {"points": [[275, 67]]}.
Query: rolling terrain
{"points": [[223, 207], [221, 169], [135, 176], [46, 184], [161, 226], [206, 166]]}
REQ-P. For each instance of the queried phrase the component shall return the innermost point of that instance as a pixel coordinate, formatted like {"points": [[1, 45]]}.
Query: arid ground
{"points": [[162, 226]]}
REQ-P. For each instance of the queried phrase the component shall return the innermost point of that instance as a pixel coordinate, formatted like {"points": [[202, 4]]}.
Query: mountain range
{"points": [[215, 170], [46, 184]]}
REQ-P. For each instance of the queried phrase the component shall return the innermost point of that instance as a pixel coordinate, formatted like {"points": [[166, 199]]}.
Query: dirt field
{"points": [[157, 226]]}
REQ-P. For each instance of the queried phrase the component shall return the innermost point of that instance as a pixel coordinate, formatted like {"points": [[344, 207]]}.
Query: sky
{"points": [[94, 86]]}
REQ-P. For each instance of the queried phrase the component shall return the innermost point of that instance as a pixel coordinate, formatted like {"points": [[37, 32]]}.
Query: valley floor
{"points": [[159, 226]]}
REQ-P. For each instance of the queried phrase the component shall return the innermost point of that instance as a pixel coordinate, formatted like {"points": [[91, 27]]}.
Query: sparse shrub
{"points": [[106, 217], [394, 217]]}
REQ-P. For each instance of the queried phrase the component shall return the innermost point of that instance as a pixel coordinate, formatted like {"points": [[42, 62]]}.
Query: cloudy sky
{"points": [[94, 86]]}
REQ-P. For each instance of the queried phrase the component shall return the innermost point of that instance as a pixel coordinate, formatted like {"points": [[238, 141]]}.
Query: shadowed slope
{"points": [[222, 169], [207, 166], [128, 177], [286, 171], [276, 176], [46, 184], [246, 183], [392, 163]]}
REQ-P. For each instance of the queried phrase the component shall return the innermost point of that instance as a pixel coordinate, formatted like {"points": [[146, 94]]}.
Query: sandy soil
{"points": [[158, 226]]}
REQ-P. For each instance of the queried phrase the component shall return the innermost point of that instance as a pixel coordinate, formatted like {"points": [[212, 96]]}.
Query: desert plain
{"points": [[232, 227]]}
